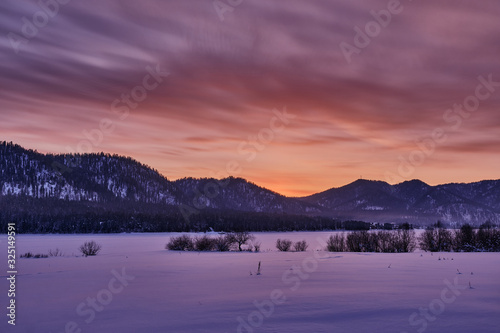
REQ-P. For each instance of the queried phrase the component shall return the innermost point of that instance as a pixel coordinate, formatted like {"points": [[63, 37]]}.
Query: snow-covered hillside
{"points": [[116, 181], [87, 177]]}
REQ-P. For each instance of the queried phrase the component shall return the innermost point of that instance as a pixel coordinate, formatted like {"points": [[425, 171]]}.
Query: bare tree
{"points": [[336, 243], [240, 238]]}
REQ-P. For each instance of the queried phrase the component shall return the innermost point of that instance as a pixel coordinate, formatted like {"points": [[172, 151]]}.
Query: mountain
{"points": [[109, 178], [80, 177], [239, 194], [104, 183], [412, 201]]}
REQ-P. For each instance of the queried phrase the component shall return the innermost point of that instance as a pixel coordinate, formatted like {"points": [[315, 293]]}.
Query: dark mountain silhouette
{"points": [[413, 201], [239, 194], [46, 184]]}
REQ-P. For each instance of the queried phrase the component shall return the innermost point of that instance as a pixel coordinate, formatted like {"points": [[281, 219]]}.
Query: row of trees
{"points": [[222, 243], [465, 239], [34, 215], [401, 240], [232, 241]]}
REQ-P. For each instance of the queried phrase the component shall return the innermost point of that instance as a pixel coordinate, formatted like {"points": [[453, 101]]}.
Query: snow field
{"points": [[135, 285]]}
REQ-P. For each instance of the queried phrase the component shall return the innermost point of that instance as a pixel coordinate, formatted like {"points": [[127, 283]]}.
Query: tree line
{"points": [[465, 239], [48, 215]]}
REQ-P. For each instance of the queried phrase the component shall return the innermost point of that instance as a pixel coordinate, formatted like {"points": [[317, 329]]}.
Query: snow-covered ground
{"points": [[135, 285]]}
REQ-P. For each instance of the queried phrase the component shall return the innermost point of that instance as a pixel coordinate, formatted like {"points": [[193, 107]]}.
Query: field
{"points": [[135, 285]]}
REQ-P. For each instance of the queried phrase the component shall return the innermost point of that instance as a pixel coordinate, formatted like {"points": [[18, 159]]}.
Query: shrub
{"points": [[90, 248], [31, 255], [240, 238], [283, 245], [204, 243], [300, 246], [222, 243], [55, 253], [181, 243], [256, 247], [336, 243]]}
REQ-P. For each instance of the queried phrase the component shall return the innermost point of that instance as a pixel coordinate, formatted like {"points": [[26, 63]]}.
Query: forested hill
{"points": [[80, 177], [111, 193], [103, 189]]}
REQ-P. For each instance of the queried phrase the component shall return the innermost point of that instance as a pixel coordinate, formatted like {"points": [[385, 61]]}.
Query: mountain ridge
{"points": [[117, 180]]}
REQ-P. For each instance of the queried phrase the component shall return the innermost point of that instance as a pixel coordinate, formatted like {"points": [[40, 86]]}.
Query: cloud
{"points": [[227, 77]]}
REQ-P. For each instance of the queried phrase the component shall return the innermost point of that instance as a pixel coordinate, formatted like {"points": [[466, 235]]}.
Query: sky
{"points": [[295, 96]]}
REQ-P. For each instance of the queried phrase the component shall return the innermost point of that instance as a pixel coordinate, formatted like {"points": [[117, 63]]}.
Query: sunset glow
{"points": [[267, 94]]}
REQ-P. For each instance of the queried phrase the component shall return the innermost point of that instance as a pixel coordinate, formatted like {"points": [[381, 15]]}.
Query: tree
{"points": [[465, 239], [427, 241], [385, 242], [361, 241], [240, 238], [405, 240], [435, 240], [336, 243]]}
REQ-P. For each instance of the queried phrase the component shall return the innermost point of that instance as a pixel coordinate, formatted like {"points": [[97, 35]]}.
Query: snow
{"points": [[373, 208], [10, 188], [312, 291]]}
